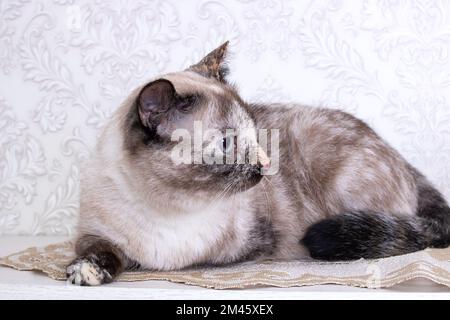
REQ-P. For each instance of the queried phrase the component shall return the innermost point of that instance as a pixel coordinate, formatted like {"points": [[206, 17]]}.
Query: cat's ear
{"points": [[154, 100], [213, 65]]}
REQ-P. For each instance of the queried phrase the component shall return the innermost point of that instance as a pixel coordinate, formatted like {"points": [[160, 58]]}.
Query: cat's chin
{"points": [[248, 184]]}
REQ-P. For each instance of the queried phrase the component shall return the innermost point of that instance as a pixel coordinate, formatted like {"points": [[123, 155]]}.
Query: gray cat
{"points": [[341, 192]]}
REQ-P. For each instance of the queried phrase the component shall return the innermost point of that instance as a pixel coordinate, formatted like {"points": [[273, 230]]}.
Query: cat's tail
{"points": [[371, 235]]}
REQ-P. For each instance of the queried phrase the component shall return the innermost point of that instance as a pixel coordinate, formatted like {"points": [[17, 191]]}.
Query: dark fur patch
{"points": [[136, 134], [139, 134], [263, 239], [370, 235], [434, 213], [213, 64], [103, 254]]}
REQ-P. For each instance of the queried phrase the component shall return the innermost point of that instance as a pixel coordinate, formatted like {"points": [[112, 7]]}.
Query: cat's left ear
{"points": [[213, 65]]}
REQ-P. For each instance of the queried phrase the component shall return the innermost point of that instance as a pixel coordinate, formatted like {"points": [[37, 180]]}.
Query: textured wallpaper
{"points": [[65, 65]]}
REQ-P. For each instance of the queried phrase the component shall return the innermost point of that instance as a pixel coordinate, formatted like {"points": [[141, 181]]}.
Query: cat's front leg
{"points": [[98, 261]]}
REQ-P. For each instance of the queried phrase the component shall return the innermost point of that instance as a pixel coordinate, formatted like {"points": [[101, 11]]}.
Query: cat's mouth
{"points": [[227, 179], [253, 181], [248, 178]]}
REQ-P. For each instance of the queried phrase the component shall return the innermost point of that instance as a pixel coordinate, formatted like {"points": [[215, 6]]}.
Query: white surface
{"points": [[66, 65], [33, 285]]}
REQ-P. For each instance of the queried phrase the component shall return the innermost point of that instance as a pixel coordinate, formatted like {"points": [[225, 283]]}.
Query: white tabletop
{"points": [[34, 285]]}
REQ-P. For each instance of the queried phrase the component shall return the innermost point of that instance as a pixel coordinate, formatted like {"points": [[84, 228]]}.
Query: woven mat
{"points": [[432, 264]]}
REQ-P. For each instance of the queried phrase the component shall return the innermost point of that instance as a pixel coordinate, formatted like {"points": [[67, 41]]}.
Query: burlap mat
{"points": [[432, 264]]}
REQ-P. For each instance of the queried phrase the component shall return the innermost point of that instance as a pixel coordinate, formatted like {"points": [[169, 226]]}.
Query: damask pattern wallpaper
{"points": [[65, 65]]}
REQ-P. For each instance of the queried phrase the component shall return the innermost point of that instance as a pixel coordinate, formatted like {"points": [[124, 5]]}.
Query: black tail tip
{"points": [[326, 241], [368, 235]]}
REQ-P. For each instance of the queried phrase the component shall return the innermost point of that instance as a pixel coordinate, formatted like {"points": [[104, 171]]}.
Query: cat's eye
{"points": [[227, 144]]}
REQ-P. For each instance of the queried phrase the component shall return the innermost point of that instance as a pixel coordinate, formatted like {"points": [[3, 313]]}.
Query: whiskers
{"points": [[224, 193]]}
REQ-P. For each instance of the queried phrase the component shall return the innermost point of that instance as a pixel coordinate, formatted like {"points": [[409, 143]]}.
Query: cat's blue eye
{"points": [[227, 144]]}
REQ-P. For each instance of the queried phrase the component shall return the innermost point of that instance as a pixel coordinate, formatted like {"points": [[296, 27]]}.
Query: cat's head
{"points": [[165, 119]]}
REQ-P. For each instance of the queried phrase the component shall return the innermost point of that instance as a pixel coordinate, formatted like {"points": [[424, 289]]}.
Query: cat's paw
{"points": [[85, 271]]}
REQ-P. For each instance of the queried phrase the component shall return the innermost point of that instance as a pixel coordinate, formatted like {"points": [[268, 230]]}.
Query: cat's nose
{"points": [[263, 161], [262, 167], [259, 165]]}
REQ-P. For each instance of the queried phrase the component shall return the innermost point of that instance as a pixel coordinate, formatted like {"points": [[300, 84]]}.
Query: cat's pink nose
{"points": [[263, 165], [263, 159]]}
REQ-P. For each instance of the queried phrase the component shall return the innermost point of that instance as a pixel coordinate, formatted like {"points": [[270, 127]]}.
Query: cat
{"points": [[341, 192]]}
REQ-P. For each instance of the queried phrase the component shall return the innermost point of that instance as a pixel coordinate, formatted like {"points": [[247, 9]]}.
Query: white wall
{"points": [[65, 65]]}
